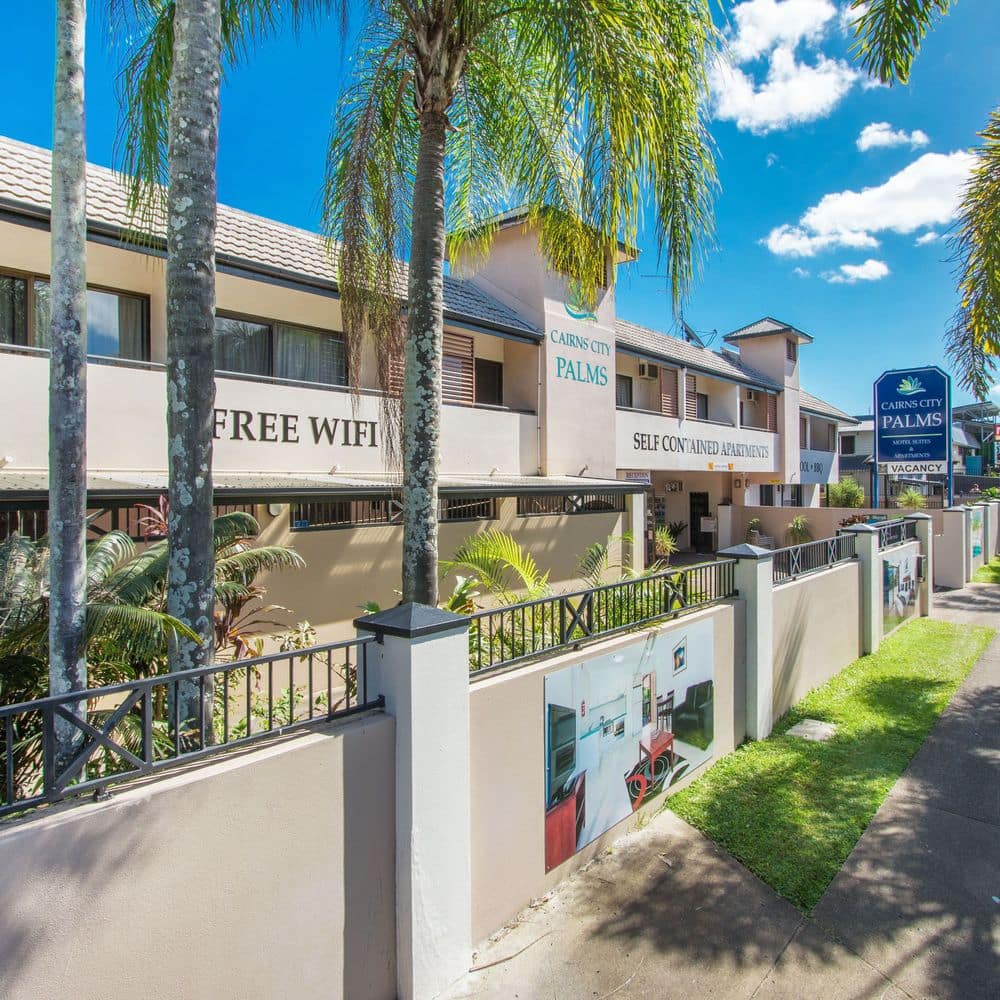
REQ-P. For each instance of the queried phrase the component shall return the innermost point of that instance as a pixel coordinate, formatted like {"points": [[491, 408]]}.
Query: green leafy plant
{"points": [[911, 499], [847, 493], [677, 528], [499, 563], [753, 528], [665, 543], [798, 530]]}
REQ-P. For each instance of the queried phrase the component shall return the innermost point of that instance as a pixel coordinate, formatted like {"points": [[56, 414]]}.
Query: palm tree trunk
{"points": [[68, 378], [193, 138], [422, 384]]}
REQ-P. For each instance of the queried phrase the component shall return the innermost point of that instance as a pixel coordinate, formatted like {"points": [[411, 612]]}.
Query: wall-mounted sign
{"points": [[635, 476], [913, 421]]}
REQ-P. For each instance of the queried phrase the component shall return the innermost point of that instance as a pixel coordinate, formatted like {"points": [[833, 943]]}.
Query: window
{"points": [[803, 432], [489, 382], [458, 371], [251, 347], [766, 495], [326, 514], [847, 444], [794, 498], [702, 406], [791, 350], [623, 390], [117, 322], [540, 504]]}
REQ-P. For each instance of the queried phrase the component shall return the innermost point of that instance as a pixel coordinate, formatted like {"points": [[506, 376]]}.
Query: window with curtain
{"points": [[309, 356], [13, 310], [117, 324], [242, 346]]}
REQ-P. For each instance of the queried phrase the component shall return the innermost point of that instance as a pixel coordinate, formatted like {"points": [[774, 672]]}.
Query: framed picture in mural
{"points": [[899, 588], [622, 728]]}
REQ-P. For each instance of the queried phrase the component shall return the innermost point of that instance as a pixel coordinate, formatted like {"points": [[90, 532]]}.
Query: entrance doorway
{"points": [[701, 541]]}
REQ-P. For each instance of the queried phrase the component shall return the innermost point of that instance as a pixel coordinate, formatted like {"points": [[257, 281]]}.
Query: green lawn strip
{"points": [[988, 573], [792, 810]]}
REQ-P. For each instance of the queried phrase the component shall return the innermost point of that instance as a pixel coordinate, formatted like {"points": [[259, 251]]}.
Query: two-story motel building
{"points": [[559, 425]]}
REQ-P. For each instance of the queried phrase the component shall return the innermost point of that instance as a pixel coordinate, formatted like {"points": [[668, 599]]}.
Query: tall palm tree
{"points": [[68, 374], [582, 112], [888, 35]]}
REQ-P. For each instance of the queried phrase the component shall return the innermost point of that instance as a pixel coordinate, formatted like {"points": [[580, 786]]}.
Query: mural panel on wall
{"points": [[976, 528], [899, 589], [620, 729]]}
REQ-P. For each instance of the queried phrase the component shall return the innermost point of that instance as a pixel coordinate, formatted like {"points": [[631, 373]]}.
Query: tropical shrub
{"points": [[753, 528], [911, 499], [798, 530], [846, 493], [665, 543]]}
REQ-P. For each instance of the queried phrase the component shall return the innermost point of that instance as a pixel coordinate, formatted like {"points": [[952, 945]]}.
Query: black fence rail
{"points": [[68, 745], [810, 557], [516, 632], [896, 533]]}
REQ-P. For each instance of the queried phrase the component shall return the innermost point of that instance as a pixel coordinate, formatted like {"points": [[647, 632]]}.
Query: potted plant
{"points": [[798, 530], [753, 531]]}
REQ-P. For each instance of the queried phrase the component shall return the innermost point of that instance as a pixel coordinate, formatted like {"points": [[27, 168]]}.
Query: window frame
{"points": [[476, 362], [391, 509], [623, 379], [571, 504], [272, 333], [31, 334], [791, 350], [844, 438]]}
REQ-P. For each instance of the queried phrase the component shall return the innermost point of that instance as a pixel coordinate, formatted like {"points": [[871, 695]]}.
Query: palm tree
{"points": [[582, 112], [68, 375], [888, 35]]}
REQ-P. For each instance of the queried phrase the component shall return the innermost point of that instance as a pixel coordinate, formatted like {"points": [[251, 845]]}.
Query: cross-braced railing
{"points": [[516, 632], [896, 532], [80, 742], [810, 557]]}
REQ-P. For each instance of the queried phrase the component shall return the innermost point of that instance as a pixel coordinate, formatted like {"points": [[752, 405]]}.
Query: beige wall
{"points": [[346, 567], [268, 874], [823, 521], [817, 631], [508, 768]]}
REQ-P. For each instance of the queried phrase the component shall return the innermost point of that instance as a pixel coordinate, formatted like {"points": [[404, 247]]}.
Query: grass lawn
{"points": [[988, 573], [792, 810]]}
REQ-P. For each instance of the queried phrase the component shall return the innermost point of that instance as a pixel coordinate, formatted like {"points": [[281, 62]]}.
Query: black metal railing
{"points": [[124, 731], [517, 632], [896, 533], [810, 557]]}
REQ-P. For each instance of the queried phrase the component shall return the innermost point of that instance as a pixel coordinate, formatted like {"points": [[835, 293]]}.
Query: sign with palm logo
{"points": [[913, 421]]}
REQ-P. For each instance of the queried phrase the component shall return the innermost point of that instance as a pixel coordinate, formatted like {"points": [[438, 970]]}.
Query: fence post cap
{"points": [[861, 529], [957, 509], [411, 621], [747, 551], [918, 515]]}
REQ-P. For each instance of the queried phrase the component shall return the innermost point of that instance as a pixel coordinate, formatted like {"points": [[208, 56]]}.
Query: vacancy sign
{"points": [[913, 421]]}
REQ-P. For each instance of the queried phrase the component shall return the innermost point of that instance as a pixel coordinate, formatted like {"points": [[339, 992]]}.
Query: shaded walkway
{"points": [[912, 914]]}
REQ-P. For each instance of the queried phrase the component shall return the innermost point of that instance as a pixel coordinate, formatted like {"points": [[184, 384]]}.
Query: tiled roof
{"points": [[764, 328], [680, 352], [814, 404], [241, 239]]}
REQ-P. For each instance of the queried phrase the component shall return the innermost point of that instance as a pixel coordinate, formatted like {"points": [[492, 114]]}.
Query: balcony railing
{"points": [[124, 731], [896, 533], [811, 557], [518, 632]]}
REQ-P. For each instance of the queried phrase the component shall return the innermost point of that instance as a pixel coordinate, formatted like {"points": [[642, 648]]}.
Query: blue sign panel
{"points": [[913, 421]]}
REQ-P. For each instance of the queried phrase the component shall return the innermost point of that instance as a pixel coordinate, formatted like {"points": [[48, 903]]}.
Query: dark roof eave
{"points": [[639, 352]]}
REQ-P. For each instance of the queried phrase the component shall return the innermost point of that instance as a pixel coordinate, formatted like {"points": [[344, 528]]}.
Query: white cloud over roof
{"points": [[925, 193], [880, 135], [849, 274]]}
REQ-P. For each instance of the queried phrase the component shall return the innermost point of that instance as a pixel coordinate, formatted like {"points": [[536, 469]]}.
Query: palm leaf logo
{"points": [[575, 305], [909, 386]]}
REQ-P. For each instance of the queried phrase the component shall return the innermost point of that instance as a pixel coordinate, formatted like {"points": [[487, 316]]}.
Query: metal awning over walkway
{"points": [[31, 488]]}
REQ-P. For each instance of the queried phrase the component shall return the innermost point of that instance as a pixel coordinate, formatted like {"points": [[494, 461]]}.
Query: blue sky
{"points": [[793, 241]]}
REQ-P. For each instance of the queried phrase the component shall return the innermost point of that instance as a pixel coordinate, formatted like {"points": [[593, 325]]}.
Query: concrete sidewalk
{"points": [[914, 913]]}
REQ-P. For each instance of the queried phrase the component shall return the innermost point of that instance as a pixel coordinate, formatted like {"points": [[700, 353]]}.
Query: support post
{"points": [[754, 580], [925, 536], [867, 548], [953, 552], [420, 663], [635, 556], [724, 514]]}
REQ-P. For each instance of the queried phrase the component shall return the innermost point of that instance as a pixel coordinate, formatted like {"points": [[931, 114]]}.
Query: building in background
{"points": [[561, 424]]}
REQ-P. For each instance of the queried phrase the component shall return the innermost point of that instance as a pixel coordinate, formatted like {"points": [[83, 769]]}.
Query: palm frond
{"points": [[140, 633], [243, 566], [888, 34], [105, 555], [18, 570], [498, 561]]}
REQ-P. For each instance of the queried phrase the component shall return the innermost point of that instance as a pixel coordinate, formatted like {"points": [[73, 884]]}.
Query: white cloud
{"points": [[849, 14], [761, 25], [771, 159], [792, 93], [928, 237], [849, 274], [882, 134], [925, 193], [800, 272]]}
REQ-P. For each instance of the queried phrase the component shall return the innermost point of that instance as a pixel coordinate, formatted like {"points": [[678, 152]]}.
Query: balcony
{"points": [[261, 425], [646, 440]]}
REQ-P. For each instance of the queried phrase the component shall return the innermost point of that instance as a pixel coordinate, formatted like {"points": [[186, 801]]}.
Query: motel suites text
{"points": [[561, 425]]}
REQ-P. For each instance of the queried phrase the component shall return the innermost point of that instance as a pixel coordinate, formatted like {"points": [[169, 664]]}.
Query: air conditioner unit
{"points": [[751, 396], [647, 370]]}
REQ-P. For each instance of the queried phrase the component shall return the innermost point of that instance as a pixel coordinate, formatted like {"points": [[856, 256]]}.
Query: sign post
{"points": [[913, 424]]}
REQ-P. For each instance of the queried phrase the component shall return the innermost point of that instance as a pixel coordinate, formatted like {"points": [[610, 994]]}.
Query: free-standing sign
{"points": [[913, 421]]}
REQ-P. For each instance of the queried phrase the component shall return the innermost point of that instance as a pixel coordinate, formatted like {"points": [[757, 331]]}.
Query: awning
{"points": [[31, 488]]}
